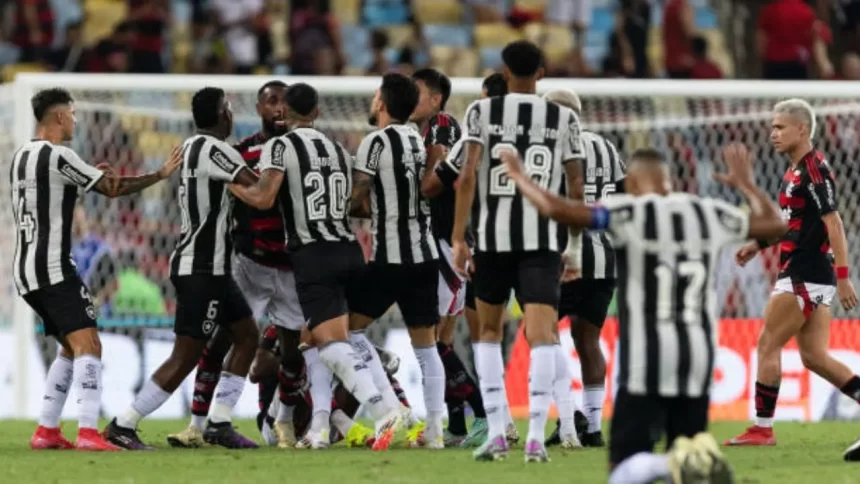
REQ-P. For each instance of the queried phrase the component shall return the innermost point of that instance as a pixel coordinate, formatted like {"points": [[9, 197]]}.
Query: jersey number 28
{"points": [[538, 166]]}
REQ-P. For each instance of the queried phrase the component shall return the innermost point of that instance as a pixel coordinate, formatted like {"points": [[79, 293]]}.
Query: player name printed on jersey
{"points": [[546, 136], [666, 248], [208, 165], [400, 223], [317, 184], [46, 182]]}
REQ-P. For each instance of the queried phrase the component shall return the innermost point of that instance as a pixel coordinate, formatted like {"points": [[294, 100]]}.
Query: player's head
{"points": [[272, 107], [647, 172], [523, 62], [211, 111], [302, 104], [494, 85], [55, 107], [793, 125], [566, 98], [395, 100], [434, 89]]}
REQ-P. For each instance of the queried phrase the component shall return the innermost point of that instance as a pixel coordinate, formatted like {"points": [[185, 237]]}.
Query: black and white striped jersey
{"points": [[546, 136], [208, 165], [314, 195], [46, 182], [400, 223], [666, 249], [603, 168]]}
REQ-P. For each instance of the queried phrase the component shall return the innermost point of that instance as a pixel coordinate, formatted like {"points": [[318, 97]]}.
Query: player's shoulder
{"points": [[443, 120], [815, 164]]}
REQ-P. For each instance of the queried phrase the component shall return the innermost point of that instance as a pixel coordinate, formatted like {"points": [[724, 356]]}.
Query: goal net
{"points": [[132, 122]]}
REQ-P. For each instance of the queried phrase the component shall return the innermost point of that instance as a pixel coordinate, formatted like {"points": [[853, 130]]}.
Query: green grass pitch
{"points": [[806, 454]]}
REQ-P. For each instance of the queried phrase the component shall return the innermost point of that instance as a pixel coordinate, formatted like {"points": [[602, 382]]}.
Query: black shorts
{"points": [[413, 287], [587, 300], [64, 308], [323, 272], [640, 421], [204, 302], [534, 275], [470, 295]]}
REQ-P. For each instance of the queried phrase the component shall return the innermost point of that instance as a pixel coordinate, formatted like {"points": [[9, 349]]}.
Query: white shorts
{"points": [[452, 297], [809, 295], [270, 292]]}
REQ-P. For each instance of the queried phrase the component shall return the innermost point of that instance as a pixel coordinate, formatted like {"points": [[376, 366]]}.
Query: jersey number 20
{"points": [[538, 166], [328, 196]]}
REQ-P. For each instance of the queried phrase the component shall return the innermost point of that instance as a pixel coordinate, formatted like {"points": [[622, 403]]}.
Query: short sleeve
{"points": [[619, 168], [732, 224], [821, 186], [369, 154], [75, 171], [449, 170], [226, 162], [473, 124], [571, 144], [443, 130], [273, 155], [618, 213]]}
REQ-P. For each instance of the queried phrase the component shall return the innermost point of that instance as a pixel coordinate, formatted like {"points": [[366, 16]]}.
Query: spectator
{"points": [[678, 30], [632, 22], [238, 20], [148, 20], [378, 44], [70, 57], [136, 294], [488, 11], [703, 67], [576, 15], [312, 27], [850, 67], [788, 37], [93, 258], [34, 29], [851, 23], [111, 54]]}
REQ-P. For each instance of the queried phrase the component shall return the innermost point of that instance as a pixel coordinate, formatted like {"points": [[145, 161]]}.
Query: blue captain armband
{"points": [[599, 217]]}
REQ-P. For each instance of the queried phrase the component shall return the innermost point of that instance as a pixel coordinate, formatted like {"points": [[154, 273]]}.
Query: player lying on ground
{"points": [[310, 177], [46, 181], [207, 294], [515, 247], [799, 306]]}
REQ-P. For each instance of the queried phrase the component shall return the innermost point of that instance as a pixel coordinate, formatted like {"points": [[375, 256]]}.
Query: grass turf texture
{"points": [[806, 453]]}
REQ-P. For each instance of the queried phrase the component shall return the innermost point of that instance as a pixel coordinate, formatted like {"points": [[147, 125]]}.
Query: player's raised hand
{"points": [[739, 164], [107, 169], [463, 262], [172, 163], [746, 253], [512, 161], [846, 293]]}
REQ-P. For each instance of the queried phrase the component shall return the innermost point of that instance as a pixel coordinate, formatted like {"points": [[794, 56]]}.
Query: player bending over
{"points": [[403, 267], [666, 245], [310, 177], [46, 181], [516, 248], [207, 294], [799, 306]]}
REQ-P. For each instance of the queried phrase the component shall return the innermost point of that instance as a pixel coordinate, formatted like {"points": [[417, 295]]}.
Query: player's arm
{"points": [[572, 155], [444, 175], [473, 150], [108, 183], [364, 170], [261, 192], [822, 190]]}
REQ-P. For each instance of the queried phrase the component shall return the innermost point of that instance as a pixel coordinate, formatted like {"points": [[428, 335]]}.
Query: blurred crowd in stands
{"points": [[793, 39]]}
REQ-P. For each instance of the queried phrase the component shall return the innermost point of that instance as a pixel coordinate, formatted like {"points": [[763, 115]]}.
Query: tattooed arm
{"points": [[112, 186], [359, 205], [262, 194]]}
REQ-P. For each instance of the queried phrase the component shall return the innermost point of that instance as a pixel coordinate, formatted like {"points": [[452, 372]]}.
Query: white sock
{"points": [[285, 413], [274, 407], [641, 468], [561, 392], [88, 380], [57, 386], [227, 394], [367, 352], [341, 421], [491, 375], [764, 422], [434, 387], [198, 421], [355, 376], [320, 379], [509, 419], [592, 399], [541, 376], [150, 397]]}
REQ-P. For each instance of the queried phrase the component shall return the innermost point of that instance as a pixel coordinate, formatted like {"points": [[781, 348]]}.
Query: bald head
{"points": [[566, 98]]}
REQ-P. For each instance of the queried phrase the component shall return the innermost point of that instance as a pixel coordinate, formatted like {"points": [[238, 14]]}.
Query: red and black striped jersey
{"points": [[45, 18], [442, 129], [258, 234], [808, 193]]}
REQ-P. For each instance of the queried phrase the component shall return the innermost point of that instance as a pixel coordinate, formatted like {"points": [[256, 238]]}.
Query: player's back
{"points": [[314, 195], [666, 249], [546, 136], [400, 217]]}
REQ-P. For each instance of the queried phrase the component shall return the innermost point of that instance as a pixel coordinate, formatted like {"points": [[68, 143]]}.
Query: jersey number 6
{"points": [[538, 166]]}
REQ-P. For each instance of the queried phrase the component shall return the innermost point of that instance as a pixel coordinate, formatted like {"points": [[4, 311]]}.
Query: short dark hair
{"points": [[495, 85], [378, 39], [648, 155], [206, 107], [302, 98], [700, 46], [400, 95], [44, 100], [274, 83], [436, 82], [522, 58]]}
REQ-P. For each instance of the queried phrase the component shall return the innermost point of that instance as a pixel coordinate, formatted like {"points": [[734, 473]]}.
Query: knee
{"points": [[813, 360], [767, 346], [84, 342]]}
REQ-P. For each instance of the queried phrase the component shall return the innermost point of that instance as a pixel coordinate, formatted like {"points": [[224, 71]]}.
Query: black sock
{"points": [[765, 400], [459, 383], [456, 419], [852, 388]]}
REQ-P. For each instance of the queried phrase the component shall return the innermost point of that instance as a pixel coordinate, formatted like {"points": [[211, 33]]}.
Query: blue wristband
{"points": [[599, 218]]}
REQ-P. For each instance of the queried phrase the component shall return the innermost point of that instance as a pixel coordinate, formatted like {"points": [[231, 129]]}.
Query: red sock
{"points": [[205, 381]]}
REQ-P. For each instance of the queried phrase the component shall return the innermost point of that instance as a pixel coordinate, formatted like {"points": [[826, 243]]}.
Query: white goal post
{"points": [[135, 120]]}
